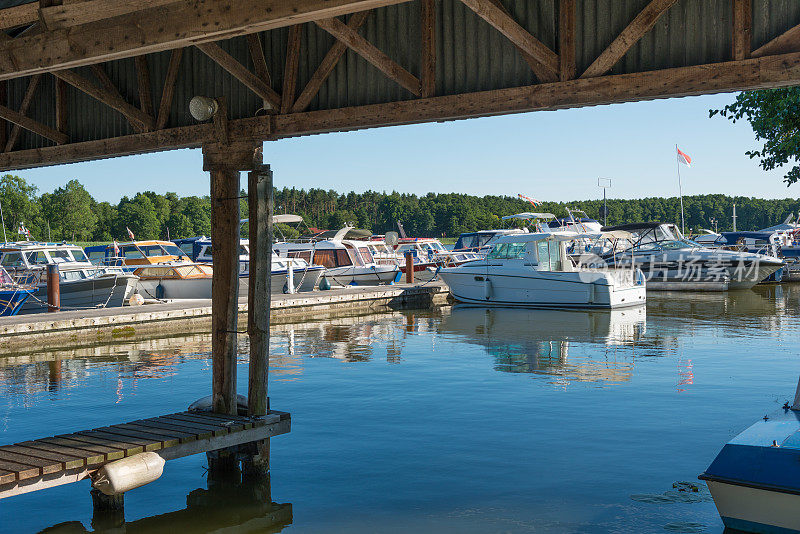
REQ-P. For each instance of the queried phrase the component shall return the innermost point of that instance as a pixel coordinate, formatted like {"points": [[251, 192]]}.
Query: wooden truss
{"points": [[44, 33]]}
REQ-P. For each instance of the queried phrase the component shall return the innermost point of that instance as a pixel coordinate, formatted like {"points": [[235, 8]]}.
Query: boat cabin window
{"points": [[507, 251], [365, 255], [80, 256], [72, 275], [60, 256], [132, 253], [304, 255], [205, 252], [187, 248], [96, 256], [172, 250], [549, 255], [326, 258], [343, 258], [37, 257], [12, 259]]}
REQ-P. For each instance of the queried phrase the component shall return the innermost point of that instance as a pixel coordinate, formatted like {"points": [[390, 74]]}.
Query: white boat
{"points": [[534, 270], [346, 261], [480, 242], [672, 262], [82, 285], [304, 276], [755, 478]]}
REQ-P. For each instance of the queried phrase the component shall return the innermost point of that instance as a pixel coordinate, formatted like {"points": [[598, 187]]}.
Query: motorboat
{"points": [[770, 243], [14, 292], [672, 262], [302, 275], [164, 270], [82, 284], [346, 261], [755, 478], [428, 255], [534, 270], [480, 242]]}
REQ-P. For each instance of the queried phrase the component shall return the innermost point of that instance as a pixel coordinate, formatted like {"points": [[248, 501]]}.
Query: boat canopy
{"points": [[731, 238], [286, 218], [634, 227], [529, 215]]}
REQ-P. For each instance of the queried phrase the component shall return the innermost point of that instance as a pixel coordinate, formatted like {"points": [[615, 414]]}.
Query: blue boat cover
{"points": [[766, 455]]}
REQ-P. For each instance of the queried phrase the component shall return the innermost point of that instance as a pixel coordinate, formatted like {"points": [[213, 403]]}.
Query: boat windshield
{"points": [[12, 259], [37, 257], [79, 255], [507, 251], [60, 256]]}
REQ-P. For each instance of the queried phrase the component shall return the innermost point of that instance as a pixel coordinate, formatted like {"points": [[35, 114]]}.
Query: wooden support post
{"points": [[260, 204], [53, 288], [109, 511], [224, 163], [409, 267]]}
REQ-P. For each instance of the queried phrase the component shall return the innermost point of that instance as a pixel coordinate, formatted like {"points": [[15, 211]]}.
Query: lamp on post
{"points": [[605, 183]]}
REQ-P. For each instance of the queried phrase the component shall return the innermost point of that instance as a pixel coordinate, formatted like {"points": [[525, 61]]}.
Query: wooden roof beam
{"points": [[169, 88], [258, 58], [370, 52], [107, 95], [788, 41], [22, 15], [327, 65], [758, 73], [638, 27], [34, 126], [166, 27], [566, 39], [493, 12], [291, 68], [241, 73], [33, 84], [143, 85], [427, 74], [742, 28]]}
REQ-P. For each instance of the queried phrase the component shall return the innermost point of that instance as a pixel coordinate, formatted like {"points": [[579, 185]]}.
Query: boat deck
{"points": [[53, 461]]}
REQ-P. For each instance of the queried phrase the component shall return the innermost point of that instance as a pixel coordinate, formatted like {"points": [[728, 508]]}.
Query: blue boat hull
{"points": [[11, 301]]}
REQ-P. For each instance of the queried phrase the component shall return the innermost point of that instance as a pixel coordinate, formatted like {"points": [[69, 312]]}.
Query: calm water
{"points": [[456, 420]]}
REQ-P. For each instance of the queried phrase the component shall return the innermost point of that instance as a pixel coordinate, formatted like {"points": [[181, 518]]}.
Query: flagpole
{"points": [[680, 188]]}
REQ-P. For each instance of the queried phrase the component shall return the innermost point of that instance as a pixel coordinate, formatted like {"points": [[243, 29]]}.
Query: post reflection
{"points": [[230, 504]]}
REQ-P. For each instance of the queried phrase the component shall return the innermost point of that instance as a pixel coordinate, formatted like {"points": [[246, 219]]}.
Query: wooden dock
{"points": [[80, 328], [48, 462]]}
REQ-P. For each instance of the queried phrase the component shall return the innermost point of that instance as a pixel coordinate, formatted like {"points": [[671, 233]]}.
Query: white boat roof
{"points": [[35, 245], [286, 218], [530, 215], [526, 238]]}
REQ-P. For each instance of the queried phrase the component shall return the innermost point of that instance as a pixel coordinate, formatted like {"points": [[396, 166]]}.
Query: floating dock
{"points": [[76, 328]]}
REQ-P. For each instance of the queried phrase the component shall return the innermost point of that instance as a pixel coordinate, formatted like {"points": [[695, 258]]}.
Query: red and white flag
{"points": [[116, 248], [133, 238], [529, 199], [684, 158]]}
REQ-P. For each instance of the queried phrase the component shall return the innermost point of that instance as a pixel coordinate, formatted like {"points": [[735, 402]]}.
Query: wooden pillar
{"points": [[224, 162], [260, 205]]}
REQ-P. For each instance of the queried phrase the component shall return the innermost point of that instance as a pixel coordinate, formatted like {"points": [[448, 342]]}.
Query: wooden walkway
{"points": [[42, 463]]}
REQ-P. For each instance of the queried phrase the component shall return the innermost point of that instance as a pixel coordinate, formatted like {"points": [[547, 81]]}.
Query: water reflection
{"points": [[553, 343], [234, 504]]}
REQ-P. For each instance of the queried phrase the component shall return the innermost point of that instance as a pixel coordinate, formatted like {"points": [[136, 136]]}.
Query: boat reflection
{"points": [[232, 505], [555, 344]]}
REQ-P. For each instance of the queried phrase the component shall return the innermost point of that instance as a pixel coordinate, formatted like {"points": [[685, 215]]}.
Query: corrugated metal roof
{"points": [[471, 56]]}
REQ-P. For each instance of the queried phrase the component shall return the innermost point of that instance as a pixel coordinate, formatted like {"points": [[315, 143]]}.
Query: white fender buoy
{"points": [[487, 288], [289, 278], [129, 473]]}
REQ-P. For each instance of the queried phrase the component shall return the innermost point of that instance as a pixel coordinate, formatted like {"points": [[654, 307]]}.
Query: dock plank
{"points": [[162, 439], [182, 436], [109, 453], [233, 424], [159, 425], [21, 471], [7, 477], [215, 430], [228, 426], [91, 458], [67, 461], [129, 449], [46, 466], [148, 444]]}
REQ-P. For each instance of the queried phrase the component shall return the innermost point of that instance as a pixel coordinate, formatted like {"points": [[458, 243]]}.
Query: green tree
{"points": [[20, 205], [774, 115], [70, 212]]}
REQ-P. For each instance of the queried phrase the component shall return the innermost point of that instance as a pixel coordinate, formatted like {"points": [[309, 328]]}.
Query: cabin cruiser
{"points": [[672, 262], [480, 242], [586, 230], [284, 271], [164, 271], [755, 478], [346, 261], [534, 270], [82, 285]]}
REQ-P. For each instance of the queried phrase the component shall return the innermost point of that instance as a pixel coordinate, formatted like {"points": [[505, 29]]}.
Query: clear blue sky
{"points": [[555, 155]]}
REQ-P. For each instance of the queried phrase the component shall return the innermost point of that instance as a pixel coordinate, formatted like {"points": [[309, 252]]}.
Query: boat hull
{"points": [[306, 280], [362, 276], [177, 288], [107, 291], [11, 301], [549, 289], [762, 511]]}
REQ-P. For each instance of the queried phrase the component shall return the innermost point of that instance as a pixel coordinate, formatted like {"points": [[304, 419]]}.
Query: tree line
{"points": [[71, 213]]}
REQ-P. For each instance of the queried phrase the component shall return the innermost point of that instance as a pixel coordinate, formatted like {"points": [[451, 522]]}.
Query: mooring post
{"points": [[409, 268], [260, 204], [224, 161], [53, 288]]}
